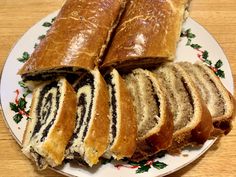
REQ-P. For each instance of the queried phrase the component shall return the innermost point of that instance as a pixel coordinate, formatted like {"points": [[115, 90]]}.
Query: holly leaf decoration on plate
{"points": [[203, 55], [143, 168], [159, 165], [24, 58]]}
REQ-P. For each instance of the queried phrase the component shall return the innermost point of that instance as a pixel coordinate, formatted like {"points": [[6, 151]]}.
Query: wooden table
{"points": [[218, 17]]}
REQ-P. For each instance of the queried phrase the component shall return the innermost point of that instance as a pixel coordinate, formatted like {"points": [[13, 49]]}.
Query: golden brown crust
{"points": [[149, 29], [58, 137], [161, 137], [77, 36], [96, 140], [125, 143]]}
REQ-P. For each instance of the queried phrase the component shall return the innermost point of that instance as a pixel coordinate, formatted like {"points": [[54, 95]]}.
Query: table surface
{"points": [[218, 17]]}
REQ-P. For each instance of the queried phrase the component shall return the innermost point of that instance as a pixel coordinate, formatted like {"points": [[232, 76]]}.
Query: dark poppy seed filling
{"points": [[45, 131], [87, 80], [70, 72], [79, 118], [113, 106], [85, 89], [45, 112], [40, 161], [81, 103]]}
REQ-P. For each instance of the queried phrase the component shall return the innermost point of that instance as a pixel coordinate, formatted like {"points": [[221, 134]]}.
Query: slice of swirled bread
{"points": [[90, 137], [123, 126], [155, 123], [51, 124], [192, 120], [217, 98]]}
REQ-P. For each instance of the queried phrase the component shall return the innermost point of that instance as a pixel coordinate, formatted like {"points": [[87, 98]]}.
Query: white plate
{"points": [[9, 83]]}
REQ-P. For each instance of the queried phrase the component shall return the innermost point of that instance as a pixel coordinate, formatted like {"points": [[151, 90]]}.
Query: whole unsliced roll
{"points": [[148, 33], [77, 38], [91, 133], [51, 123], [123, 124], [154, 120], [217, 98], [192, 119]]}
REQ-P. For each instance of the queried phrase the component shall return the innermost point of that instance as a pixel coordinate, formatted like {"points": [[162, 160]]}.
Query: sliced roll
{"points": [[154, 120], [76, 40], [123, 126], [91, 133], [51, 124], [217, 98], [147, 34], [192, 120]]}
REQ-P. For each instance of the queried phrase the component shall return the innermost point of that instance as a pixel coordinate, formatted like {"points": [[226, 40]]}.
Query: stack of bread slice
{"points": [[192, 120], [217, 98], [133, 115]]}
